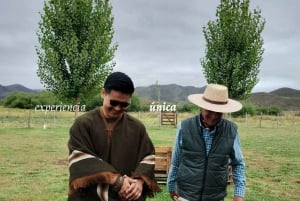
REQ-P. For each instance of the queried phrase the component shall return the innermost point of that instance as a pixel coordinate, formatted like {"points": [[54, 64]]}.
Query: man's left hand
{"points": [[238, 198]]}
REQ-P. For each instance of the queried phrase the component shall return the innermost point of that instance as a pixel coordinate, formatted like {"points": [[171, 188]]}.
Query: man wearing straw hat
{"points": [[204, 146]]}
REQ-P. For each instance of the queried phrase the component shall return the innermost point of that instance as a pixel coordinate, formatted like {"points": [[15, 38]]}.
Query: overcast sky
{"points": [[159, 41]]}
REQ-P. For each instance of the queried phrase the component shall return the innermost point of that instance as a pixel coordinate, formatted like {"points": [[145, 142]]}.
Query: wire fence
{"points": [[31, 118]]}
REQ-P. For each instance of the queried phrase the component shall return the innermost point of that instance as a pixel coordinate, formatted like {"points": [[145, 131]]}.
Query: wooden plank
{"points": [[230, 179], [162, 163]]}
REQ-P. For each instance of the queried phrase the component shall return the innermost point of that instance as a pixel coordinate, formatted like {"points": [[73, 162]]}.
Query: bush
{"points": [[272, 110], [135, 105], [24, 100], [19, 100], [187, 108], [252, 109], [248, 108], [92, 103]]}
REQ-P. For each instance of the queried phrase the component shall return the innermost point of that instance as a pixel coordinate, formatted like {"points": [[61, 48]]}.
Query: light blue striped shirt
{"points": [[238, 164]]}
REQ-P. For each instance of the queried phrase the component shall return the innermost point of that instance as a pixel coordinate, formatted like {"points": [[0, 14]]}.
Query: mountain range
{"points": [[6, 90], [284, 98]]}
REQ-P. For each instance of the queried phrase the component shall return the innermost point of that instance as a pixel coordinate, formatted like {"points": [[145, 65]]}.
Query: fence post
{"points": [[159, 119], [29, 119], [45, 125], [260, 120], [277, 118]]}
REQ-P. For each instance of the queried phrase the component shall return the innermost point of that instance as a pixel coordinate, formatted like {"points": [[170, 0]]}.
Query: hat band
{"points": [[215, 102]]}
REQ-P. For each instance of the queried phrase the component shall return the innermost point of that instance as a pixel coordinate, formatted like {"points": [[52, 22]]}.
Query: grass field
{"points": [[33, 155]]}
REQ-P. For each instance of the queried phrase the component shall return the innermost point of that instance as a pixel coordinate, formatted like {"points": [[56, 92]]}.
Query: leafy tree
{"points": [[20, 100], [234, 47], [92, 102], [76, 51], [135, 105], [47, 98]]}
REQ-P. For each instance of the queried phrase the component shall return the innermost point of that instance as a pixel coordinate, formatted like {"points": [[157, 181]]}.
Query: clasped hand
{"points": [[131, 189]]}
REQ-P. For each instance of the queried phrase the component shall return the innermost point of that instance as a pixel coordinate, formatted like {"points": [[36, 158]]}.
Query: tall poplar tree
{"points": [[234, 47], [76, 50]]}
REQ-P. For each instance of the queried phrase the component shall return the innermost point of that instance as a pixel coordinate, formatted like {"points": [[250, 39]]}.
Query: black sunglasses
{"points": [[115, 103]]}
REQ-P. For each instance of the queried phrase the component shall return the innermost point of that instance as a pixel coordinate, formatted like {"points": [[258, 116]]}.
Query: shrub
{"points": [[272, 110], [187, 108], [248, 108], [24, 100]]}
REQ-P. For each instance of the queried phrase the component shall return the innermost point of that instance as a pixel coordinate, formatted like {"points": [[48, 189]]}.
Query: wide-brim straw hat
{"points": [[215, 98]]}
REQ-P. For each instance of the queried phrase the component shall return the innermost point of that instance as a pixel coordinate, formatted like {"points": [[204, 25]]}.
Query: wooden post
{"points": [[277, 117], [159, 119], [45, 126], [29, 119], [260, 120]]}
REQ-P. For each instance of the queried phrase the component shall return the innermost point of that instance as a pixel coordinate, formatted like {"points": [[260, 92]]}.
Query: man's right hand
{"points": [[174, 196]]}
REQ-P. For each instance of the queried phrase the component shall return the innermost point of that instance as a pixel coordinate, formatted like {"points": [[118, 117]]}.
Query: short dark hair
{"points": [[120, 82]]}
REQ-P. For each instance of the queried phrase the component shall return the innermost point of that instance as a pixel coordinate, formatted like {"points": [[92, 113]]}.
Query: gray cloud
{"points": [[158, 41]]}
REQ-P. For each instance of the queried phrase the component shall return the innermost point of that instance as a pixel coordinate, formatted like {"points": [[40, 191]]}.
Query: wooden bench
{"points": [[162, 163]]}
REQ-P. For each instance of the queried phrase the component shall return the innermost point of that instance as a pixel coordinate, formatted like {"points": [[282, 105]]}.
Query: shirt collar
{"points": [[211, 129]]}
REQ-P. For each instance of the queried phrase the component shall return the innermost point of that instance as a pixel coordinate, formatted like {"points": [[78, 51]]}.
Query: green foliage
{"points": [[234, 47], [272, 110], [24, 100], [93, 102], [144, 108], [76, 51], [29, 100], [252, 110], [135, 105], [187, 108], [19, 100], [248, 108]]}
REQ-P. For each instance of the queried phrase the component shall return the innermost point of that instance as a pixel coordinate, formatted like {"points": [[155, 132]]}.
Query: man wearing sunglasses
{"points": [[111, 156]]}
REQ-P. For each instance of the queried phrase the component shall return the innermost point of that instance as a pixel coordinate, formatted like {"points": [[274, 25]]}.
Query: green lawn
{"points": [[33, 159]]}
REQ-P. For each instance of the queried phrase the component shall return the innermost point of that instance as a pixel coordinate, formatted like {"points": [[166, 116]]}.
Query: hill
{"points": [[285, 98], [172, 93], [286, 92], [6, 90]]}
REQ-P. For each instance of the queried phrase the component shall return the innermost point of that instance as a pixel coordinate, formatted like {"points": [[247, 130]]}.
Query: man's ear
{"points": [[102, 93]]}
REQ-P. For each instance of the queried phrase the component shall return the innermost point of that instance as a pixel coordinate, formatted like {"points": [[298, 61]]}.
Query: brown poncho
{"points": [[95, 156]]}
